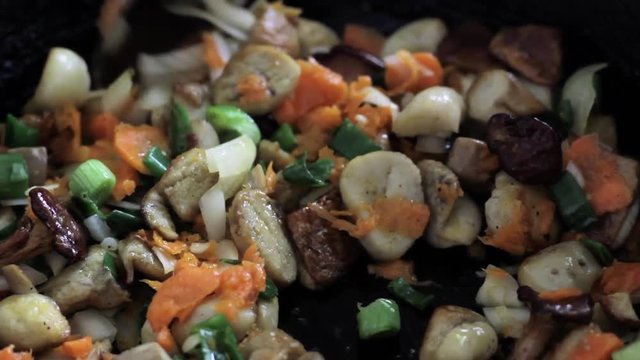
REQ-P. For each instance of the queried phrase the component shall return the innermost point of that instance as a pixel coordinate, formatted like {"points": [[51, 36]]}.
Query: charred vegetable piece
{"points": [[350, 141], [70, 237], [575, 209], [20, 134], [379, 319], [14, 178], [180, 132], [351, 63], [156, 162], [313, 174], [574, 308], [29, 240], [400, 288], [598, 250], [285, 137], [467, 47], [231, 122], [93, 178], [529, 150]]}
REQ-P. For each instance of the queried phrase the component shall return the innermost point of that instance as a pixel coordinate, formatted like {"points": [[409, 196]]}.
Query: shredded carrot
{"points": [[394, 269], [66, 145], [363, 38], [127, 177], [79, 348], [560, 294], [166, 340], [606, 187], [512, 237], [317, 86], [271, 179], [211, 54], [326, 118], [172, 247], [311, 142], [188, 259], [406, 72], [372, 119], [252, 88], [362, 227], [133, 142], [8, 353], [103, 126], [596, 346], [252, 254], [620, 277], [339, 163], [496, 272], [400, 215]]}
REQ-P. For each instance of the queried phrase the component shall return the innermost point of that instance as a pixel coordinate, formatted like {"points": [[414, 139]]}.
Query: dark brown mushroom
{"points": [[536, 335], [574, 308], [70, 239], [467, 47], [31, 239], [350, 62], [533, 50]]}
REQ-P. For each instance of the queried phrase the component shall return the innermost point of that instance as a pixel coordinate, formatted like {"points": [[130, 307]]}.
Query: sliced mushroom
{"points": [[272, 69], [18, 281], [498, 91], [186, 180], [473, 163], [533, 50], [458, 333], [31, 239], [272, 344], [255, 219], [420, 35], [467, 47], [437, 111], [566, 347], [455, 219], [135, 255], [620, 308], [270, 151], [87, 283], [564, 265], [272, 27], [315, 37], [535, 337]]}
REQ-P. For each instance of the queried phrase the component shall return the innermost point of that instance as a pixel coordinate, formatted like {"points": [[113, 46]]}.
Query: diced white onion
{"points": [[55, 261], [199, 247], [65, 79], [185, 64], [168, 262], [431, 144], [234, 16], [34, 275], [577, 174], [376, 97], [216, 21], [580, 92], [118, 93], [233, 161], [190, 343], [98, 228], [212, 207], [628, 222], [206, 135], [226, 249], [93, 323], [110, 243], [267, 314]]}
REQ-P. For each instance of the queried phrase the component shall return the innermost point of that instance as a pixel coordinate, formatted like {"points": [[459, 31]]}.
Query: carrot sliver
{"points": [[79, 348], [166, 340], [127, 178], [323, 118], [103, 126], [597, 346], [496, 271], [211, 53], [363, 38], [512, 237], [400, 215], [560, 294], [406, 72], [620, 277], [133, 142], [394, 269], [66, 145], [8, 353]]}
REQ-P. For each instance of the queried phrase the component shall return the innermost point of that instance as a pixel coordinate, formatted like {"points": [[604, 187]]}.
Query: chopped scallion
{"points": [[231, 261], [313, 174], [14, 177], [87, 206], [123, 223], [180, 131], [217, 337], [285, 137], [93, 178], [8, 222], [270, 291], [20, 134], [401, 288], [575, 209], [230, 122], [109, 263], [378, 319], [349, 141], [156, 162], [598, 250]]}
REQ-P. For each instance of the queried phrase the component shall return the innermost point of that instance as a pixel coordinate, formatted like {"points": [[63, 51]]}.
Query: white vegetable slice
{"points": [[420, 35], [233, 161], [580, 93], [185, 64], [65, 78], [216, 21], [499, 289], [118, 93], [234, 16], [435, 111], [214, 214], [93, 323], [377, 175], [564, 265], [508, 322]]}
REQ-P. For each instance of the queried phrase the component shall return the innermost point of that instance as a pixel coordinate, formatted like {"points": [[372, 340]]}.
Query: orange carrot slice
{"points": [[133, 142]]}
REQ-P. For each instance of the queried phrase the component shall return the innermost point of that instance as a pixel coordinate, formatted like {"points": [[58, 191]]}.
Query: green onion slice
{"points": [[20, 134], [314, 174], [180, 131], [349, 141], [575, 209], [598, 250], [109, 263], [217, 338], [285, 137], [379, 319], [14, 177], [270, 291], [93, 178], [156, 161], [123, 223], [230, 122], [401, 288]]}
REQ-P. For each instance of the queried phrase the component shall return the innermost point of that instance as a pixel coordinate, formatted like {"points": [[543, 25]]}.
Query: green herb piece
{"points": [[123, 223], [87, 206], [180, 130], [270, 291], [313, 174], [285, 137], [156, 162], [379, 319], [109, 263], [576, 211], [14, 177], [401, 288], [20, 134], [231, 261], [216, 339], [598, 250], [349, 141]]}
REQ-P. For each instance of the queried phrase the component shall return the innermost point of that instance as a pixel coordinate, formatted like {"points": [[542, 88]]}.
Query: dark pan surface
{"points": [[594, 30]]}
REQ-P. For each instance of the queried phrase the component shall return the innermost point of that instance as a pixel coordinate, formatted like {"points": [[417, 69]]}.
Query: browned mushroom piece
{"points": [[533, 342], [350, 62], [533, 50], [273, 345], [577, 308], [619, 307], [31, 239], [325, 253], [467, 47], [473, 163], [272, 27]]}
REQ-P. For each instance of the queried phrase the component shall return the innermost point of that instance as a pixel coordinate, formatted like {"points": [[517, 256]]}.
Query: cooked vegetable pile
{"points": [[157, 218]]}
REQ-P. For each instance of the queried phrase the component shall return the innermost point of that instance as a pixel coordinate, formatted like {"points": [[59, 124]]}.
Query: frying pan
{"points": [[593, 30]]}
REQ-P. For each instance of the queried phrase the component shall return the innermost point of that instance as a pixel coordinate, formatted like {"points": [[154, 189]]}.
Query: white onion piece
{"points": [[628, 222], [378, 98], [168, 262], [110, 243], [186, 10], [199, 247], [206, 135], [431, 144], [185, 64], [226, 249], [190, 343], [93, 323], [49, 187], [234, 16], [233, 161], [34, 275], [65, 79], [577, 174], [118, 93], [212, 207], [98, 228], [55, 261], [580, 92], [224, 51], [127, 205]]}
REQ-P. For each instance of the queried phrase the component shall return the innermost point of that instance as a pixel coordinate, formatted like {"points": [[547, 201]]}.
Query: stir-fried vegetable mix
{"points": [[159, 217]]}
